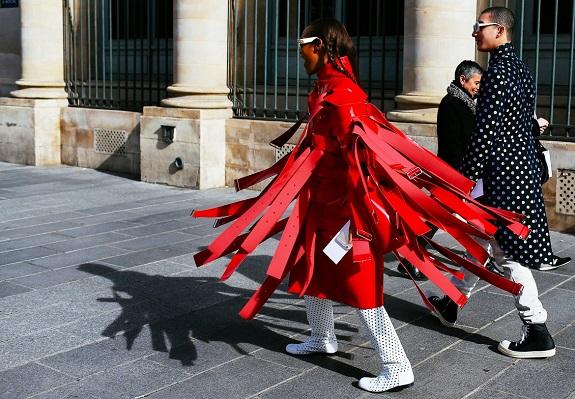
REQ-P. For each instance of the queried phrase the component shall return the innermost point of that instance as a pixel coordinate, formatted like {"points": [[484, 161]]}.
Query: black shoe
{"points": [[555, 263], [407, 269], [492, 267], [535, 342], [445, 310]]}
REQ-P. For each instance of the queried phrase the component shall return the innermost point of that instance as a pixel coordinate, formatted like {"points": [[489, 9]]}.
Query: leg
{"points": [[406, 268], [536, 340], [445, 308], [396, 369], [320, 317]]}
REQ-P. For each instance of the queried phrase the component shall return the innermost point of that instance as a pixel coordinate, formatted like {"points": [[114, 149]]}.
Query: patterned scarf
{"points": [[458, 92]]}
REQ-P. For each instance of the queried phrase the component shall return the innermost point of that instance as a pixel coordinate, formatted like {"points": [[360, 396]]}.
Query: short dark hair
{"points": [[467, 68], [503, 16]]}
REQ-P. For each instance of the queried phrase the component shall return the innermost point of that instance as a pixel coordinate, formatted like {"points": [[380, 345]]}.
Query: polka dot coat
{"points": [[501, 152]]}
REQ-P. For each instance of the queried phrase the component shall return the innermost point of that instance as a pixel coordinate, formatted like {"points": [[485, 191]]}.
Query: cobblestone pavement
{"points": [[100, 298]]}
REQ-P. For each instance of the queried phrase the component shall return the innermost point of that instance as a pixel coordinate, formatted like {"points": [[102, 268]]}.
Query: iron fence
{"points": [[545, 39], [118, 53], [267, 79]]}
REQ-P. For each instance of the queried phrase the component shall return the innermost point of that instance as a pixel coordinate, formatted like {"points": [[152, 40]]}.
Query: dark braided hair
{"points": [[337, 43]]}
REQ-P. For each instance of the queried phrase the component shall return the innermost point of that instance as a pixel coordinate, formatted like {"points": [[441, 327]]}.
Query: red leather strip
{"points": [[282, 139], [263, 226], [289, 237], [267, 288], [201, 257], [248, 181], [225, 210], [480, 271], [237, 227], [422, 261]]}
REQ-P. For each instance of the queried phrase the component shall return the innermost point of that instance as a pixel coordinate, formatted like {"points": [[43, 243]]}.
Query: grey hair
{"points": [[503, 16], [467, 68]]}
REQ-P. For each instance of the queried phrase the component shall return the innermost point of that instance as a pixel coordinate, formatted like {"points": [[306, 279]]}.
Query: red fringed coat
{"points": [[351, 164]]}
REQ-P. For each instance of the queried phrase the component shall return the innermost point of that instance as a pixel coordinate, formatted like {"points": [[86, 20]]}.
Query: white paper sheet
{"points": [[339, 245], [547, 155], [477, 190]]}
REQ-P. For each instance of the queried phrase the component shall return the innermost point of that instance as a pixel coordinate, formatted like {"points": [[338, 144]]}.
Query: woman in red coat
{"points": [[358, 185]]}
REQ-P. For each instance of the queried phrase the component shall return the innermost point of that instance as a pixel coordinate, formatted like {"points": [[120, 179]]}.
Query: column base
{"points": [[44, 90], [194, 157], [201, 101]]}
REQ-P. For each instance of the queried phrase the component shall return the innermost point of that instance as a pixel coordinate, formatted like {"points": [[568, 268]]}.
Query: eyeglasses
{"points": [[307, 40], [477, 26]]}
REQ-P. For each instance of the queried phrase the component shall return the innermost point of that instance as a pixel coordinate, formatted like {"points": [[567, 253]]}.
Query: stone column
{"points": [[437, 37], [200, 55], [42, 50], [198, 107], [31, 117]]}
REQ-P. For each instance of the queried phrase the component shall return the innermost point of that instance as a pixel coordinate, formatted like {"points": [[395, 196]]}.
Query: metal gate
{"points": [[267, 79], [118, 53]]}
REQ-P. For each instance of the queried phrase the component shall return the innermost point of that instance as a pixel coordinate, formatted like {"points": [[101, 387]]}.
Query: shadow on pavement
{"points": [[181, 311]]}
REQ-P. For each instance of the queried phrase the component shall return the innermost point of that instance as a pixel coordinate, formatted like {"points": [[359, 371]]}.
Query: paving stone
{"points": [[56, 227], [238, 379], [26, 254], [460, 373], [125, 381], [39, 318], [530, 378], [115, 226], [95, 357], [38, 220], [152, 241], [20, 350], [32, 241], [490, 393], [77, 257], [87, 242], [49, 278], [152, 255], [566, 338], [19, 269], [174, 323], [170, 225], [30, 379], [8, 289]]}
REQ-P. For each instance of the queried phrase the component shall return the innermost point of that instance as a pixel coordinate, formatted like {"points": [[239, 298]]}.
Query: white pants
{"points": [[527, 301]]}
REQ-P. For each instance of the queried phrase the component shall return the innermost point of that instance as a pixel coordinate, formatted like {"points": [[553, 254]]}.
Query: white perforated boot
{"points": [[396, 372], [320, 318]]}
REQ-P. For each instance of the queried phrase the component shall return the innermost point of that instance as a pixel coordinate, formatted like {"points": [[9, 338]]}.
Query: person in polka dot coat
{"points": [[501, 153]]}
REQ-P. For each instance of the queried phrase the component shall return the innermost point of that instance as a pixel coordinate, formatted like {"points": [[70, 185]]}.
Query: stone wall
{"points": [[248, 151], [101, 139], [30, 131]]}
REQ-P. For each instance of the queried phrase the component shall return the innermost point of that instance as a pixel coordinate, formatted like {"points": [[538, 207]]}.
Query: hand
{"points": [[543, 124]]}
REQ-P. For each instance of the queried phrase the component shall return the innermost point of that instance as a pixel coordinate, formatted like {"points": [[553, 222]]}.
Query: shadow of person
{"points": [[179, 312], [182, 311]]}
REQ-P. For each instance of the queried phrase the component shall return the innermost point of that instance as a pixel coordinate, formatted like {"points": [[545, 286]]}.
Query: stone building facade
{"points": [[191, 138]]}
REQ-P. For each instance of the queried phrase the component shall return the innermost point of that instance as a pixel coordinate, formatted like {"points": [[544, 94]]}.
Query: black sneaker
{"points": [[536, 342], [445, 310], [492, 267], [555, 263], [406, 269]]}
